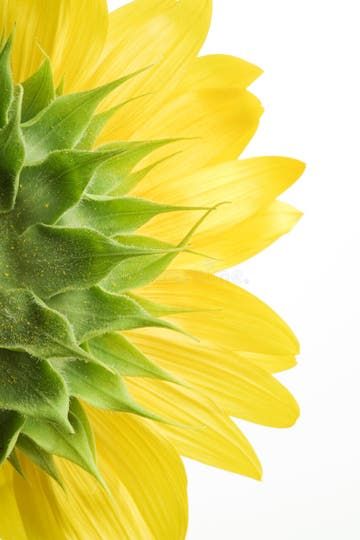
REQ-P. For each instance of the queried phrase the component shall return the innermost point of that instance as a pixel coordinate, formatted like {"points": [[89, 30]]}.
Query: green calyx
{"points": [[70, 257]]}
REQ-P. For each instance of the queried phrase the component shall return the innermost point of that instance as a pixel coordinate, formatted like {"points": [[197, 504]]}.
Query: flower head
{"points": [[120, 197]]}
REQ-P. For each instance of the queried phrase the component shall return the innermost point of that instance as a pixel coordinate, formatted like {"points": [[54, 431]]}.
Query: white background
{"points": [[311, 94]]}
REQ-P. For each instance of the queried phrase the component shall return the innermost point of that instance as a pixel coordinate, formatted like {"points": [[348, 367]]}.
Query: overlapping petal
{"points": [[163, 34], [142, 471], [222, 313], [205, 432], [10, 523], [71, 33], [234, 243], [234, 382]]}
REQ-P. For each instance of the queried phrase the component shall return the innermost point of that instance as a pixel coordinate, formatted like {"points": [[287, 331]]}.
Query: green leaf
{"points": [[40, 457], [112, 216], [116, 352], [49, 188], [11, 155], [27, 324], [39, 91], [6, 82], [113, 174], [31, 387], [55, 259], [11, 424], [100, 387], [72, 446], [92, 312], [62, 124]]}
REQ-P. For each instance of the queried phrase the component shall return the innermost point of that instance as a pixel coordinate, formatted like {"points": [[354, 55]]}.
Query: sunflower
{"points": [[121, 196]]}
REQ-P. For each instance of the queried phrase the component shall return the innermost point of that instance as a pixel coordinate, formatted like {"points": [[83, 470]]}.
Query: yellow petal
{"points": [[70, 32], [208, 435], [271, 362], [236, 384], [232, 244], [142, 471], [85, 38], [245, 187], [218, 71], [216, 123], [11, 527], [165, 34], [38, 25], [223, 313]]}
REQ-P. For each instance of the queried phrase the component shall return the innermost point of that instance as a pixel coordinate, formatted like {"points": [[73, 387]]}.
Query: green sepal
{"points": [[72, 446], [12, 153], [112, 176], [11, 424], [13, 459], [50, 188], [137, 273], [116, 215], [61, 125], [27, 324], [93, 312], [39, 457], [78, 410], [6, 81], [39, 91], [132, 274], [96, 125], [116, 352], [31, 387], [55, 259], [100, 387]]}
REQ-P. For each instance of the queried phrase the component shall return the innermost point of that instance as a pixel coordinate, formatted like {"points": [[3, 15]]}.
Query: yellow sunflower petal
{"points": [[223, 313], [218, 71], [216, 123], [271, 362], [208, 435], [38, 26], [245, 187], [11, 527], [233, 244], [236, 384], [59, 29], [142, 471], [86, 33], [165, 34]]}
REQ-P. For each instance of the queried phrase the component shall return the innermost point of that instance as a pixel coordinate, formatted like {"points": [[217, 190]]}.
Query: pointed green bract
{"points": [[67, 255], [55, 259], [75, 446], [62, 124], [39, 92], [40, 457], [115, 215], [11, 424], [91, 312], [50, 188], [100, 387], [118, 353], [31, 387], [6, 82], [12, 153], [27, 324]]}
